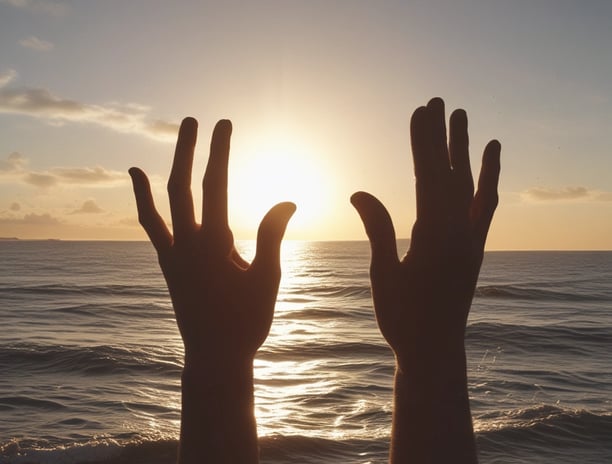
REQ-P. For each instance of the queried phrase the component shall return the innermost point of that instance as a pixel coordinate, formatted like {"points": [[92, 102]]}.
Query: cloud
{"points": [[162, 128], [129, 222], [14, 168], [566, 194], [39, 179], [39, 6], [88, 207], [547, 194], [95, 175], [31, 219], [14, 162], [34, 43], [7, 76], [41, 103], [15, 206]]}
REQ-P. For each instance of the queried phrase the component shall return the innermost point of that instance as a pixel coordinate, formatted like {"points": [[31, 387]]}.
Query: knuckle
{"points": [[142, 220], [175, 186], [145, 220]]}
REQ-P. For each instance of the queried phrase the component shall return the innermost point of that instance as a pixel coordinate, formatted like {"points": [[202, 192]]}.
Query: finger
{"points": [[430, 182], [420, 139], [149, 218], [379, 229], [214, 207], [269, 236], [439, 156], [179, 183], [460, 159], [486, 199]]}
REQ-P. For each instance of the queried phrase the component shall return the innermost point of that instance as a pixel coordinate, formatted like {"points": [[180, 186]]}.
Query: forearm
{"points": [[432, 422], [218, 422]]}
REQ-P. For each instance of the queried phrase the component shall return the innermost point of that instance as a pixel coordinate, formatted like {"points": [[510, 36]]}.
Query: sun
{"points": [[275, 170]]}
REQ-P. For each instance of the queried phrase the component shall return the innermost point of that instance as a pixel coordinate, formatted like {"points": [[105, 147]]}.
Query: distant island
{"points": [[17, 239]]}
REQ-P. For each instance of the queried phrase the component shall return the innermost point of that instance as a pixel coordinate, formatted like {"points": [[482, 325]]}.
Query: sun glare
{"points": [[280, 170]]}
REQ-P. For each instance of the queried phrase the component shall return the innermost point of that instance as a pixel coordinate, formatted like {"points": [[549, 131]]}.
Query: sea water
{"points": [[90, 357]]}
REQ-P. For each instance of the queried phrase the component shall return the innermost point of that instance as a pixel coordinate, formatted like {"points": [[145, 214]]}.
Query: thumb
{"points": [[379, 228], [269, 236]]}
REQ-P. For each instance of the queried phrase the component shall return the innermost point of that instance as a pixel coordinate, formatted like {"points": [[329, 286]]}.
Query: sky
{"points": [[320, 94]]}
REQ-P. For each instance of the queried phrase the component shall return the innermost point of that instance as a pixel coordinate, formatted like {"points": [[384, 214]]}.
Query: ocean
{"points": [[90, 357]]}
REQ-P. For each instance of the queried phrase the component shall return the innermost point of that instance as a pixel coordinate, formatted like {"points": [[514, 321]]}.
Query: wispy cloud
{"points": [[41, 103], [577, 193], [40, 6], [88, 207], [14, 168], [34, 43], [7, 76], [13, 163], [87, 176], [31, 219], [129, 222]]}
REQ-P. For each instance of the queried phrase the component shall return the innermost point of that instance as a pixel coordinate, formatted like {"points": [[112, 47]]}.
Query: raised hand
{"points": [[224, 307], [422, 302]]}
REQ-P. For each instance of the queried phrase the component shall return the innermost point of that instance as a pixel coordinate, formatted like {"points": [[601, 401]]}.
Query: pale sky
{"points": [[320, 94]]}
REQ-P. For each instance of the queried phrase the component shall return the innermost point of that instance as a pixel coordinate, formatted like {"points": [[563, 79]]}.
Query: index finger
{"points": [[486, 199]]}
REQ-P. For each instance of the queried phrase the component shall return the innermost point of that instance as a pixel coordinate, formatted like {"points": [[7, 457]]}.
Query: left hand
{"points": [[422, 302]]}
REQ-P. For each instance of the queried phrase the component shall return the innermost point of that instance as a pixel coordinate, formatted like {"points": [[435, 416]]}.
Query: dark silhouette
{"points": [[422, 302], [224, 306]]}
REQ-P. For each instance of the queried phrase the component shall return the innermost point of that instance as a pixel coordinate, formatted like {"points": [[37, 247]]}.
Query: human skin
{"points": [[224, 306], [422, 301]]}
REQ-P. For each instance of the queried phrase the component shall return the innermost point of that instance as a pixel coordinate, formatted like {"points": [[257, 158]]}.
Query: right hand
{"points": [[224, 306]]}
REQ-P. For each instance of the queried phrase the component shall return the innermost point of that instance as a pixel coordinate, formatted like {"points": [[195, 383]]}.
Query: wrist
{"points": [[431, 418], [212, 375], [217, 413], [433, 371]]}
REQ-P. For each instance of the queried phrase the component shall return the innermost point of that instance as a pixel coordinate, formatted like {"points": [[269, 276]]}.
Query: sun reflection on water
{"points": [[312, 377]]}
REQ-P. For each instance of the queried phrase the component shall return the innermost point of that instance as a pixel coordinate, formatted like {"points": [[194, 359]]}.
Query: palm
{"points": [[431, 293], [217, 302]]}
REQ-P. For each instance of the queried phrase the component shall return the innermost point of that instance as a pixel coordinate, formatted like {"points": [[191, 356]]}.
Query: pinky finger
{"points": [[486, 199], [149, 218]]}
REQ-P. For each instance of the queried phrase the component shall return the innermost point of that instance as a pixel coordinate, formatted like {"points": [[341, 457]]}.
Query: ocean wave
{"points": [[98, 360], [551, 433], [543, 338], [338, 291], [323, 311], [64, 289], [21, 401], [276, 449], [95, 451], [540, 434], [317, 350], [279, 449], [525, 292]]}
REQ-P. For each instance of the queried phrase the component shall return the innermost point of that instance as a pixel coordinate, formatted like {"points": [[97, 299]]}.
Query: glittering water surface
{"points": [[90, 357]]}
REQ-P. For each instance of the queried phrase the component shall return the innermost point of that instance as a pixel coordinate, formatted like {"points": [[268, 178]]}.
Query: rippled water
{"points": [[90, 357]]}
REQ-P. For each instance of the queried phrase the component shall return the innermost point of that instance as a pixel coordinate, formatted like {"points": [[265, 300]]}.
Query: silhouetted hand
{"points": [[422, 302], [224, 307]]}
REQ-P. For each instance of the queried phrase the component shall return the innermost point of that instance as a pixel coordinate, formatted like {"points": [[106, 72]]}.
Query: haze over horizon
{"points": [[320, 95]]}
